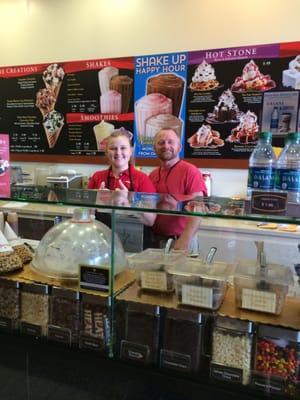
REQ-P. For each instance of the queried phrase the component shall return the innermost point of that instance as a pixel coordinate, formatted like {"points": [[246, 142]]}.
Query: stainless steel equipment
{"points": [[73, 181]]}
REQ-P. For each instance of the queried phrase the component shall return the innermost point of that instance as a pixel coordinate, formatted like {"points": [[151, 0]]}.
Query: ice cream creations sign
{"points": [[159, 96], [4, 166]]}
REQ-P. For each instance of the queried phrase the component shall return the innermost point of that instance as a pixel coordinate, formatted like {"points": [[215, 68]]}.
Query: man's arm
{"points": [[192, 226]]}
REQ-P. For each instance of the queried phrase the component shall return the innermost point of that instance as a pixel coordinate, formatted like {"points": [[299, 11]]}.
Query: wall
{"points": [[34, 31]]}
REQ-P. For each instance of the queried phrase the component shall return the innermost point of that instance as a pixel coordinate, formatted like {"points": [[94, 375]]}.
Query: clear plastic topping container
{"points": [[261, 288], [9, 300], [35, 305], [277, 361], [77, 241], [199, 284], [232, 341], [151, 266], [182, 340], [65, 310]]}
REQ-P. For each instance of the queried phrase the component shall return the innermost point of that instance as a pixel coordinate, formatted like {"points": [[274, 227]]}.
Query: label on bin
{"points": [[156, 280], [172, 360], [197, 296], [259, 300], [135, 351], [31, 329], [58, 334], [6, 324], [225, 373]]}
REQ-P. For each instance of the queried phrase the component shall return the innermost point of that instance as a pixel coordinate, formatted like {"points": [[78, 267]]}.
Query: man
{"points": [[178, 177]]}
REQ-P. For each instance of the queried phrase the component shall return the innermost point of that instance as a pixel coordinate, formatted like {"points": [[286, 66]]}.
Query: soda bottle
{"points": [[261, 173], [288, 168]]}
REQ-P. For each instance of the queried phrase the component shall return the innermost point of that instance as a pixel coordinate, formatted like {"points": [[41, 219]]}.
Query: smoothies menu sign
{"points": [[216, 100]]}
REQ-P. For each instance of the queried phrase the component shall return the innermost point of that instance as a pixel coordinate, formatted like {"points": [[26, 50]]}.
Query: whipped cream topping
{"points": [[248, 121], [251, 71], [103, 125], [227, 99], [295, 64], [53, 74], [155, 100], [53, 121], [164, 119], [204, 73]]}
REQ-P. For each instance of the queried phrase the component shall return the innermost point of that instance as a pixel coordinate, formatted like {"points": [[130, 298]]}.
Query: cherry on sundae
{"points": [[205, 137], [247, 130], [252, 79]]}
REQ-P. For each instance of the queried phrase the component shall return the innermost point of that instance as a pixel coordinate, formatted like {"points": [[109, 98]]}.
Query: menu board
{"points": [[4, 166], [232, 95], [217, 101], [67, 108]]}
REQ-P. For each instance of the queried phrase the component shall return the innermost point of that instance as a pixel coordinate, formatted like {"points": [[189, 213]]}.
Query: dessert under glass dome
{"points": [[80, 240]]}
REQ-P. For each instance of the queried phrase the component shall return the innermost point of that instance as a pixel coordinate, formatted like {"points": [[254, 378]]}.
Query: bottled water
{"points": [[274, 123], [288, 168], [261, 174]]}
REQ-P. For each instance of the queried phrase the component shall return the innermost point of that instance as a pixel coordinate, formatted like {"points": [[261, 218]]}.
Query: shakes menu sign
{"points": [[216, 100]]}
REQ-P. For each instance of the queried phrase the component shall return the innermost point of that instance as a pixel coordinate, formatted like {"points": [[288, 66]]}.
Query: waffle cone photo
{"points": [[52, 137]]}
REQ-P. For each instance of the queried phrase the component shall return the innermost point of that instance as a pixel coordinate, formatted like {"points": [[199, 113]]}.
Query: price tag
{"points": [[156, 280], [197, 296], [94, 277], [268, 203], [259, 300]]}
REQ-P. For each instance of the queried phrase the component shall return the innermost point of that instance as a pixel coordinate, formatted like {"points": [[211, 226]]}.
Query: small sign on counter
{"points": [[94, 277], [269, 203]]}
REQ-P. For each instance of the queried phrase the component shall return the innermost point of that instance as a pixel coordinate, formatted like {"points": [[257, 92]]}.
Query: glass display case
{"points": [[169, 310]]}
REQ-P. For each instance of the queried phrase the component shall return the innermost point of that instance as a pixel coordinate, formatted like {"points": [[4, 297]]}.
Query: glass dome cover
{"points": [[79, 240]]}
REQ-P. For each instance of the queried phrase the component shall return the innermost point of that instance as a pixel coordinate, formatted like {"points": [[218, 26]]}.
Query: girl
{"points": [[121, 175]]}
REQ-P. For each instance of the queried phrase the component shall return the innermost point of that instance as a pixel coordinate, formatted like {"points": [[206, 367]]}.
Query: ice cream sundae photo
{"points": [[204, 78], [291, 76], [226, 110], [4, 164], [247, 130], [203, 207], [252, 80], [205, 137]]}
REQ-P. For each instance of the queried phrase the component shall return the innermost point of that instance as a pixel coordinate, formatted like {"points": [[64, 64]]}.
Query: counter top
{"points": [[208, 223]]}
